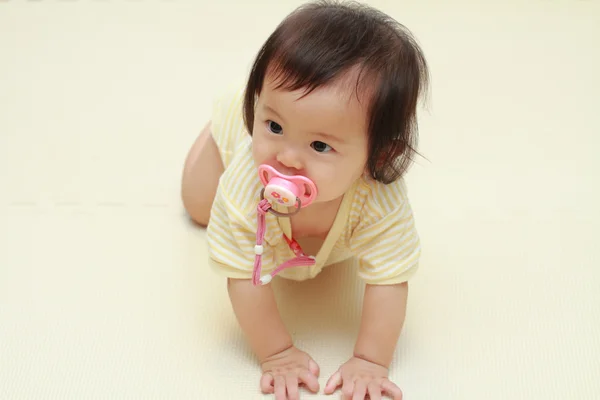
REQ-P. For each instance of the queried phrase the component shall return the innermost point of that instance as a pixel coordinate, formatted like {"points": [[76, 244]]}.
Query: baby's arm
{"points": [[258, 316], [384, 310], [386, 243], [284, 366]]}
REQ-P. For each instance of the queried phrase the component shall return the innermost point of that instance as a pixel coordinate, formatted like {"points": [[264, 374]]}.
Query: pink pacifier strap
{"points": [[263, 208], [300, 260]]}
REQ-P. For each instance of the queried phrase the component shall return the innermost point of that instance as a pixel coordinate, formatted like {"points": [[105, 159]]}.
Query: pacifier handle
{"points": [[283, 189], [280, 214]]}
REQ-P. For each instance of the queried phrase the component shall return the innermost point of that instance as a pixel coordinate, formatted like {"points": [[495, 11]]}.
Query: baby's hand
{"points": [[360, 378], [283, 373]]}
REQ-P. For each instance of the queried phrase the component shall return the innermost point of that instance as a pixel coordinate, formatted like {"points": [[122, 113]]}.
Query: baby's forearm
{"points": [[256, 311], [384, 310]]}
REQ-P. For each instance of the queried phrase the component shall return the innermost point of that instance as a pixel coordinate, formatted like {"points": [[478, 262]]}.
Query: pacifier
{"points": [[287, 190]]}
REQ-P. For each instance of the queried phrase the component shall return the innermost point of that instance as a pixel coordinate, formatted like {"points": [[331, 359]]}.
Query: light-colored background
{"points": [[104, 287]]}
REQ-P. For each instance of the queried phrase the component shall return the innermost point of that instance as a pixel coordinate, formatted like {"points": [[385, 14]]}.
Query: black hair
{"points": [[320, 42]]}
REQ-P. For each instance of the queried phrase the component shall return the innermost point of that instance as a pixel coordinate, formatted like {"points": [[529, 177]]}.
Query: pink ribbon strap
{"points": [[300, 260]]}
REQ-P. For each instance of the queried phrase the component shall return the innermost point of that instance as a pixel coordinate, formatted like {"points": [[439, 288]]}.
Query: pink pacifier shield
{"points": [[285, 189]]}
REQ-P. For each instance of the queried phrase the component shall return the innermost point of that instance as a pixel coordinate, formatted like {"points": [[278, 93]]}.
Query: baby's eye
{"points": [[274, 127], [320, 147]]}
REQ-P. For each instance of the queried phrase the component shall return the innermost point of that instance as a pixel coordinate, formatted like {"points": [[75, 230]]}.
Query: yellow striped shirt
{"points": [[374, 223]]}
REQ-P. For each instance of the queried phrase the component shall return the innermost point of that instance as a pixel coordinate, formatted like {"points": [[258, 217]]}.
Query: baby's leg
{"points": [[201, 173]]}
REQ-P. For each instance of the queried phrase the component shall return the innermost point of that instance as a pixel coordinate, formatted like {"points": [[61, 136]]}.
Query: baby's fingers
{"points": [[280, 389], [391, 389], [266, 383], [333, 383], [310, 380], [291, 381], [314, 368], [360, 390], [374, 391]]}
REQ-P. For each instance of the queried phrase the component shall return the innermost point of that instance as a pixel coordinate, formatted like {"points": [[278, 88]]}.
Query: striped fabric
{"points": [[375, 222]]}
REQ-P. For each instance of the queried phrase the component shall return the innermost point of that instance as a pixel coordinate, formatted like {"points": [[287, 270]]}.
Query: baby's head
{"points": [[333, 95]]}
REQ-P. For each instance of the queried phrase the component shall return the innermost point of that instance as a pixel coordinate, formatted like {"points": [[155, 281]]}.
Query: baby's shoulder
{"points": [[373, 201]]}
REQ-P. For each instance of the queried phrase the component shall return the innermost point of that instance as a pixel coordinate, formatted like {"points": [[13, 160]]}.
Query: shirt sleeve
{"points": [[386, 244], [227, 122], [231, 239]]}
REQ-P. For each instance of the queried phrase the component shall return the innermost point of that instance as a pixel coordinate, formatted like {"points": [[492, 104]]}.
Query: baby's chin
{"points": [[327, 199]]}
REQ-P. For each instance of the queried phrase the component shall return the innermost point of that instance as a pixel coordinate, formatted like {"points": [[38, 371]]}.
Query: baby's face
{"points": [[322, 136]]}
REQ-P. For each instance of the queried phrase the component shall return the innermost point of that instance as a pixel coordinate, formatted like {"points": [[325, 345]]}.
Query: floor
{"points": [[104, 286]]}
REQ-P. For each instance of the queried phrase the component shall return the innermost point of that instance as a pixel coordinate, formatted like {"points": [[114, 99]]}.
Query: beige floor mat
{"points": [[104, 287]]}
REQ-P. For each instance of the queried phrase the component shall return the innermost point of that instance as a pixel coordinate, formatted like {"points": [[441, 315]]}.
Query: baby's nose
{"points": [[291, 162]]}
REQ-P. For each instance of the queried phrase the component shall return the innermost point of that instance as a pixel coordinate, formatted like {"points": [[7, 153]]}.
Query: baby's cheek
{"points": [[327, 180], [258, 151]]}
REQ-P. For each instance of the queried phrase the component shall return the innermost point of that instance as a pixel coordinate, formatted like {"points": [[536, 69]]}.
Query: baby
{"points": [[313, 151]]}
